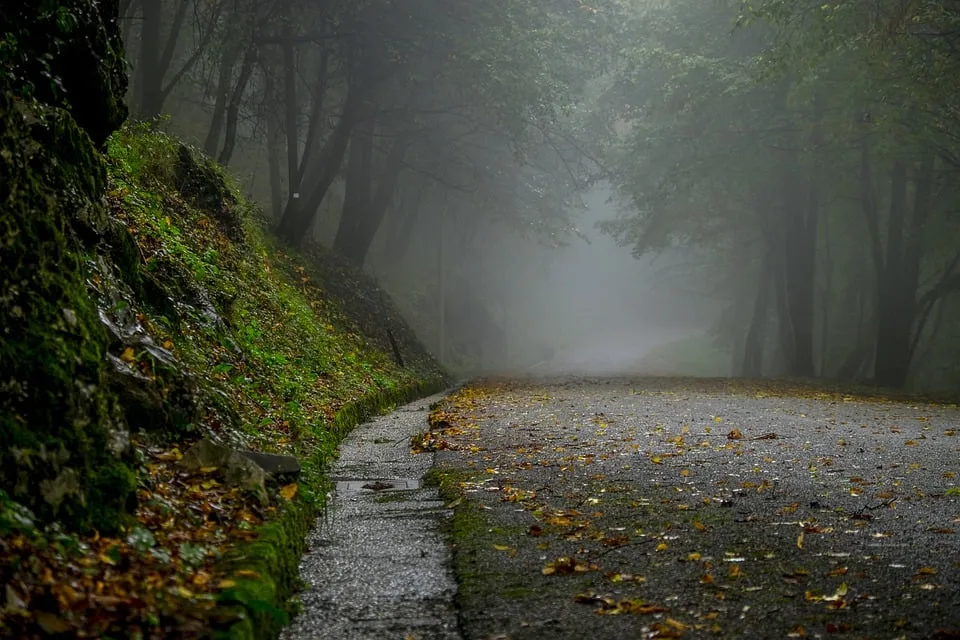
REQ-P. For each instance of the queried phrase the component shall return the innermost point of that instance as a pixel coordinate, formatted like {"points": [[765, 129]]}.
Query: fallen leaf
{"points": [[736, 434], [288, 491]]}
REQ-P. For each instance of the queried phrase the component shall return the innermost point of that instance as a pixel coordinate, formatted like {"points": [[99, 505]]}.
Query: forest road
{"points": [[649, 508]]}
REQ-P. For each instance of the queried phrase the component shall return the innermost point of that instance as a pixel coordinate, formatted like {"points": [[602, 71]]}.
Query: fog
{"points": [[599, 310], [777, 181]]}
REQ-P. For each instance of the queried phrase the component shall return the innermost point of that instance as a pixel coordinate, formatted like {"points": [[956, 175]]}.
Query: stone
{"points": [[278, 467], [236, 469]]}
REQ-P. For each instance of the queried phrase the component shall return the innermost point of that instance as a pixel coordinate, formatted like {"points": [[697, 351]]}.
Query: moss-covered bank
{"points": [[62, 442]]}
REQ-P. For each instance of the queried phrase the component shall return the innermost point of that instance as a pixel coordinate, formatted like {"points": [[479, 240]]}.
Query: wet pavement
{"points": [[607, 508], [377, 564], [657, 508]]}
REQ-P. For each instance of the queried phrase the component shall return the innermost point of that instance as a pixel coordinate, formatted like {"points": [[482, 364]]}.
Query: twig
{"points": [[624, 546]]}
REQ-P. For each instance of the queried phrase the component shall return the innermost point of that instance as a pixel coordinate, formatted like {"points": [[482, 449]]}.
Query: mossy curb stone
{"points": [[264, 573]]}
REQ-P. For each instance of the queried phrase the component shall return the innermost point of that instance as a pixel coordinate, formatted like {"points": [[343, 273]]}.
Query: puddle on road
{"points": [[377, 485]]}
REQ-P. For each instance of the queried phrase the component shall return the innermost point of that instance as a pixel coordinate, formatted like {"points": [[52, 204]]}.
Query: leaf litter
{"points": [[157, 580]]}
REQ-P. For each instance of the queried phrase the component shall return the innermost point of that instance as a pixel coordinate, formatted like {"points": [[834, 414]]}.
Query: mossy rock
{"points": [[203, 186], [59, 426], [67, 53]]}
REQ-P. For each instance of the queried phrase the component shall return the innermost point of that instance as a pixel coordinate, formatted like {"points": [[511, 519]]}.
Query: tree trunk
{"points": [[150, 78], [752, 365], [400, 225], [899, 281], [893, 321], [155, 62], [236, 100], [228, 61], [273, 151], [359, 185], [362, 227], [297, 221], [291, 109]]}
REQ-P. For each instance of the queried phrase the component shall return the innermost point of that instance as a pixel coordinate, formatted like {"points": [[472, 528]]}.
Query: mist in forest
{"points": [[599, 310], [775, 184]]}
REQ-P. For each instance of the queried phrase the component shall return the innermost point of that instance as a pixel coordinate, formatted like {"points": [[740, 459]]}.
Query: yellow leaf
{"points": [[841, 591], [800, 541], [168, 344], [662, 546], [676, 624], [226, 584], [246, 573], [288, 491], [685, 473], [699, 526], [128, 355], [656, 460], [501, 547], [693, 557]]}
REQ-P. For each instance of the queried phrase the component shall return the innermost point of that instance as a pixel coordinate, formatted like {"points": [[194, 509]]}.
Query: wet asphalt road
{"points": [[645, 508], [678, 508]]}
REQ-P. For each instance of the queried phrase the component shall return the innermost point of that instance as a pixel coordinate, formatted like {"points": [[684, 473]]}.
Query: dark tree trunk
{"points": [[899, 278], [236, 100], [752, 365], [273, 150], [316, 111], [298, 220], [401, 223], [359, 227], [155, 61], [150, 77], [359, 185], [291, 109], [228, 61]]}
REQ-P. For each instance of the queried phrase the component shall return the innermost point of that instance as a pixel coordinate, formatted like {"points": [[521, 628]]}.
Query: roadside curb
{"points": [[265, 571]]}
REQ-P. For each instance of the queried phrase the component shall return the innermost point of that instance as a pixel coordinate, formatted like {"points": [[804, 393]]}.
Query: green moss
{"points": [[515, 592], [56, 414], [111, 494]]}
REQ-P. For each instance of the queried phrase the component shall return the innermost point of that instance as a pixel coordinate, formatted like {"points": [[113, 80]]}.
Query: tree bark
{"points": [[228, 60], [359, 184], [899, 278], [359, 227], [401, 223], [150, 78], [752, 365], [273, 150], [236, 101], [297, 221], [291, 109]]}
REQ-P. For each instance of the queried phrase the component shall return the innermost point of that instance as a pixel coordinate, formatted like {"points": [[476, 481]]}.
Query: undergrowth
{"points": [[215, 331]]}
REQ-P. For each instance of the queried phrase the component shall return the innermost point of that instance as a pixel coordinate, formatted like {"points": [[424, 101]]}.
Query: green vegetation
{"points": [[144, 306], [213, 329]]}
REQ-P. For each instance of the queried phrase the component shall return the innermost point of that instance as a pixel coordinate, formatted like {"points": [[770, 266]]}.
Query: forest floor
{"points": [[659, 508]]}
